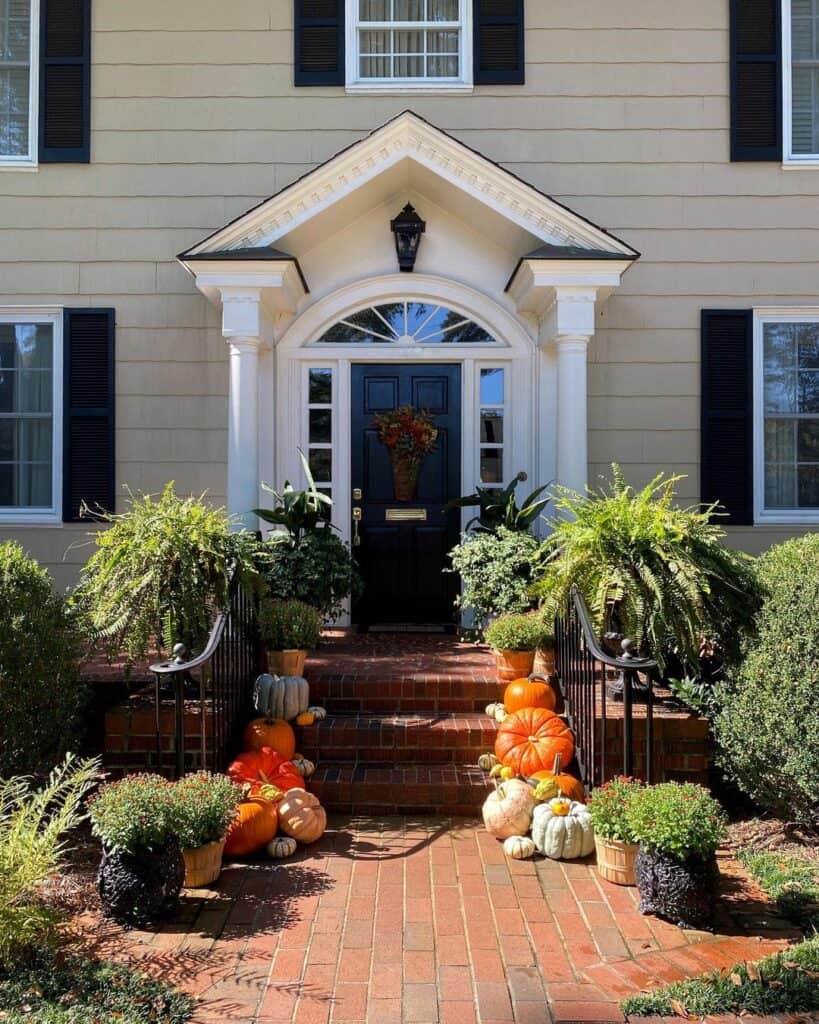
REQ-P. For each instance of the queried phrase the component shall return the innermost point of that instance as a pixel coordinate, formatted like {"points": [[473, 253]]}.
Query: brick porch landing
{"points": [[424, 921]]}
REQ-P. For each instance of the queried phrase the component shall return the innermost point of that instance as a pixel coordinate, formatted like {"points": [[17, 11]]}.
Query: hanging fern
{"points": [[658, 573]]}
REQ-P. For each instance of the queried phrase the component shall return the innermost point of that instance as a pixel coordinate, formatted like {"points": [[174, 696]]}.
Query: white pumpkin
{"points": [[318, 713], [562, 830], [496, 711], [304, 766], [486, 762], [281, 846], [519, 847], [508, 811], [281, 696]]}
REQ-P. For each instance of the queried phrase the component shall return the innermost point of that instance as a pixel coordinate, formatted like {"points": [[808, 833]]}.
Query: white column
{"points": [[242, 330], [572, 415]]}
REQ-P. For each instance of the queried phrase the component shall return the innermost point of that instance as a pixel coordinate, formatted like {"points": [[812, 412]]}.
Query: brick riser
{"points": [[348, 694]]}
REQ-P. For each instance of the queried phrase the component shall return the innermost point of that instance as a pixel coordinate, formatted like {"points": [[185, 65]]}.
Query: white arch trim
{"points": [[507, 329]]}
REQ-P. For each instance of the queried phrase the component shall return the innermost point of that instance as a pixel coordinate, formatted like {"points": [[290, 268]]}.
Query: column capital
{"points": [[241, 313], [242, 345], [572, 342]]}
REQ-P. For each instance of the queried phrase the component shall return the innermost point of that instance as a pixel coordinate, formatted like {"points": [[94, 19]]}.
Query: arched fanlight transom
{"points": [[406, 323]]}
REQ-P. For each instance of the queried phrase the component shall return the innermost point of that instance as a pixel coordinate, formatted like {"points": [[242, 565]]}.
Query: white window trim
{"points": [[53, 514], [28, 162], [763, 516], [429, 86]]}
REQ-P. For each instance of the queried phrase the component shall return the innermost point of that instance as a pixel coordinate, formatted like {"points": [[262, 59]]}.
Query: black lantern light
{"points": [[407, 228]]}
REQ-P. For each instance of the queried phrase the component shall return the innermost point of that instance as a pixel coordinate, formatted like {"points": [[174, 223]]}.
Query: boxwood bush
{"points": [[767, 724], [41, 643]]}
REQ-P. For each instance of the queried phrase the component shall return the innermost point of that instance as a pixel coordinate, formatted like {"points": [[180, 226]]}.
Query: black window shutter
{"points": [[88, 410], [65, 81], [319, 42], [726, 464], [756, 80], [498, 51]]}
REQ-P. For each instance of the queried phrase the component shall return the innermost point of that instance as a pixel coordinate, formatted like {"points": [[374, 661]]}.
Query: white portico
{"points": [[506, 286]]}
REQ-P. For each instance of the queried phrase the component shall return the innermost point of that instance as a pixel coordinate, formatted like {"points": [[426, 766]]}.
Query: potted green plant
{"points": [[613, 837], [514, 638], [290, 629], [142, 871], [206, 807], [679, 827]]}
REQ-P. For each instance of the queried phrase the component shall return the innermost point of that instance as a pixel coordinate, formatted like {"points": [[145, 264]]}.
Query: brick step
{"points": [[418, 692], [399, 738], [451, 789]]}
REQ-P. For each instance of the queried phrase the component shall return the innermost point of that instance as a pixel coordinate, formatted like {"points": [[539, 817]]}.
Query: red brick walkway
{"points": [[401, 921]]}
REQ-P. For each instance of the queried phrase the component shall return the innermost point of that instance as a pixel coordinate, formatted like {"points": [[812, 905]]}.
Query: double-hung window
{"points": [[409, 44], [786, 386], [30, 415], [18, 81]]}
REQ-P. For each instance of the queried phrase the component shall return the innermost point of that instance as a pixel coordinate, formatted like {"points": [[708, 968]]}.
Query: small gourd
{"points": [[555, 783], [281, 846], [486, 762], [500, 771], [281, 696], [306, 718], [562, 829], [304, 766], [318, 713], [493, 709], [508, 811], [519, 847]]}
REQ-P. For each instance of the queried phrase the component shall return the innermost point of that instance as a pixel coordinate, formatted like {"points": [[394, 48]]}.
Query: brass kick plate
{"points": [[406, 515]]}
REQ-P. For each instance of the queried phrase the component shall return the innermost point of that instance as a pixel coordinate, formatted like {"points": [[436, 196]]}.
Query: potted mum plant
{"points": [[142, 870], [290, 629], [613, 837], [679, 827], [206, 808], [514, 638]]}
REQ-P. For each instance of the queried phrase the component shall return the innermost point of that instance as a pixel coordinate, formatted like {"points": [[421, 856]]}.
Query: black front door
{"points": [[403, 545]]}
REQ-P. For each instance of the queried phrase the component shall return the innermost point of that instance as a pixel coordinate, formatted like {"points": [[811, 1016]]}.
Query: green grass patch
{"points": [[783, 983], [47, 990], [791, 880]]}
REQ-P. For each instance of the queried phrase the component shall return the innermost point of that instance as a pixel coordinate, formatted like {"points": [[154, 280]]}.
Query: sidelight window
{"points": [[492, 399], [320, 427]]}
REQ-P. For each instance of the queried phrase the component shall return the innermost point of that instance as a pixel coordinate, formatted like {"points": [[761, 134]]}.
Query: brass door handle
{"points": [[356, 521]]}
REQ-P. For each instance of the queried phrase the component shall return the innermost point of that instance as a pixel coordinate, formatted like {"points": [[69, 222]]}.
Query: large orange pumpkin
{"points": [[563, 783], [529, 693], [270, 732], [255, 825], [265, 766], [530, 739]]}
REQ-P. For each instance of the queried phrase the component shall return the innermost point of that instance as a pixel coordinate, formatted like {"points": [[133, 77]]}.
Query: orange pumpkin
{"points": [[271, 732], [530, 739], [529, 693], [255, 825], [258, 767], [564, 784]]}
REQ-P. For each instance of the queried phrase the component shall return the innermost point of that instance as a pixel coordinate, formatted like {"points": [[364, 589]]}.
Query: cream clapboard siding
{"points": [[624, 117]]}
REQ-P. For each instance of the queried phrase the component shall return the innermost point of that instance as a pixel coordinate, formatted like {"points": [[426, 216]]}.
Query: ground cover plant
{"points": [[41, 647], [791, 878]]}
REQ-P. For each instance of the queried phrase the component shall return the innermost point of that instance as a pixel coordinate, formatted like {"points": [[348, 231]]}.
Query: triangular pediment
{"points": [[410, 140]]}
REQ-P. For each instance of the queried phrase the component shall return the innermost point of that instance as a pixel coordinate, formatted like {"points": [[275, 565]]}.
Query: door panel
{"points": [[402, 562]]}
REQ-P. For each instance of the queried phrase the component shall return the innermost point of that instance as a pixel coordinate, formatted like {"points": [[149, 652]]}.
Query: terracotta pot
{"points": [[203, 865], [404, 478], [513, 665], [545, 661], [615, 860], [286, 663]]}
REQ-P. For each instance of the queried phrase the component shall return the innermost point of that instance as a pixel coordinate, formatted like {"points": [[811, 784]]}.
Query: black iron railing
{"points": [[600, 692], [211, 694]]}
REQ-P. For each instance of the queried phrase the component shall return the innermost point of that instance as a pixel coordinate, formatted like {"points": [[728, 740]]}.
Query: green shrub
{"points": [[139, 812], [205, 808], [54, 989], [496, 572], [289, 625], [678, 818], [41, 645], [160, 573], [515, 632], [317, 568], [654, 572], [33, 825], [767, 725], [609, 807]]}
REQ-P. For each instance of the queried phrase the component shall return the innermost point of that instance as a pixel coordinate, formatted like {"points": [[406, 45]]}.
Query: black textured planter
{"points": [[680, 891], [142, 887]]}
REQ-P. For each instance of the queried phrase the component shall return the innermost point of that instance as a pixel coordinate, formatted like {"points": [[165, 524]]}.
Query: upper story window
{"points": [[801, 60], [408, 43], [18, 81]]}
